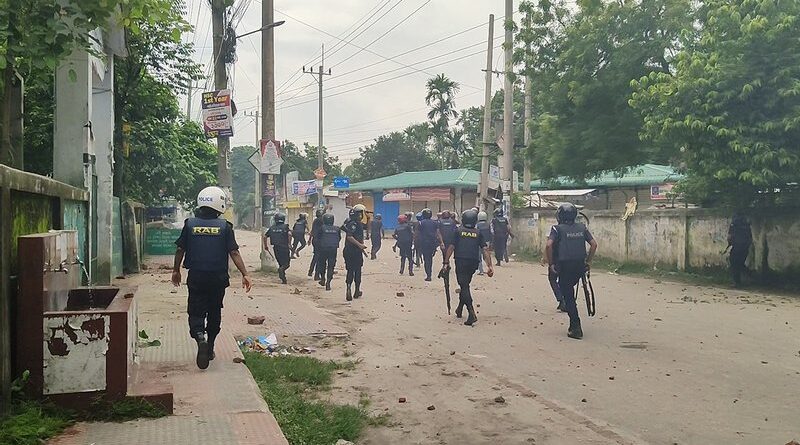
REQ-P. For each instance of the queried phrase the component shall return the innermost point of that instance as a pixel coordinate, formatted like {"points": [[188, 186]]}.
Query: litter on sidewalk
{"points": [[268, 345]]}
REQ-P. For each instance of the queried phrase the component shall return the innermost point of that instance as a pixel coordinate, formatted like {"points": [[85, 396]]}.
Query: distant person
{"points": [[280, 237], [204, 245], [740, 238], [377, 234], [447, 229], [328, 238], [427, 241], [485, 229], [312, 236], [404, 235], [415, 223], [567, 258], [299, 233], [502, 231], [353, 251]]}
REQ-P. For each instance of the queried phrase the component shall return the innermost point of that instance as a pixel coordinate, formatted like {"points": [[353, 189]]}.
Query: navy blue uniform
{"points": [[299, 235], [447, 229], [404, 235], [500, 242], [376, 232], [740, 238], [327, 240], [468, 243], [353, 256], [207, 243], [427, 244], [315, 226], [569, 252], [278, 236]]}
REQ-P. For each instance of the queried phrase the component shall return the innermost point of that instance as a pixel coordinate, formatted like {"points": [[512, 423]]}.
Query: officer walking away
{"points": [[466, 249], [280, 237], [354, 250], [376, 231], [447, 230], [327, 241], [415, 224], [485, 229], [299, 233], [315, 226], [404, 235], [204, 246], [428, 241], [740, 237], [567, 258], [502, 231]]}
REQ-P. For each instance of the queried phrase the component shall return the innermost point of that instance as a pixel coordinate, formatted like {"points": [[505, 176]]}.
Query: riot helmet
{"points": [[303, 216], [482, 216], [214, 198], [402, 219], [279, 218], [327, 219], [378, 216], [566, 213], [419, 216], [319, 213], [427, 213], [446, 214], [469, 218]]}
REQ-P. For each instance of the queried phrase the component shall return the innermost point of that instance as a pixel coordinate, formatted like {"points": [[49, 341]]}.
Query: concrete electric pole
{"points": [[267, 109], [487, 119], [256, 115], [221, 83], [507, 167], [526, 173], [319, 75]]}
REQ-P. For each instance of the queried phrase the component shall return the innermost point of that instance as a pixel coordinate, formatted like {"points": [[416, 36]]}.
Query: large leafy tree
{"points": [[732, 106], [396, 152], [440, 97]]}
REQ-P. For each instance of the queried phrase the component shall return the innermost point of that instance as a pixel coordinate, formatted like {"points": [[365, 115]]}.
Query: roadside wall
{"points": [[682, 239]]}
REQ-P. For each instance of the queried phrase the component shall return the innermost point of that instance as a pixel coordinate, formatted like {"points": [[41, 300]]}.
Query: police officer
{"points": [[327, 241], [353, 251], [552, 276], [204, 246], [415, 224], [740, 238], [377, 234], [428, 241], [315, 226], [566, 257], [280, 237], [485, 228], [299, 233], [447, 230], [502, 230], [404, 235], [466, 249]]}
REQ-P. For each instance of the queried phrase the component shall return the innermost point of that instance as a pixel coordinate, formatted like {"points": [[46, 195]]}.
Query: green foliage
{"points": [[30, 423], [732, 105], [243, 181], [440, 97], [395, 153], [288, 385]]}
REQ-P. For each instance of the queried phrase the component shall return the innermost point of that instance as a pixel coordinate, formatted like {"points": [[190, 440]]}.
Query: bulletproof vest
{"points": [[501, 226], [354, 228], [447, 227], [485, 229], [206, 246], [279, 235], [571, 242], [404, 233], [468, 246], [741, 234], [427, 231], [376, 228], [299, 226], [329, 237]]}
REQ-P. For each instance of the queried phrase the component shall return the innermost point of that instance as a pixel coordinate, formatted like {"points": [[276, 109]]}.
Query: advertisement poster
{"points": [[217, 114], [660, 192], [397, 195], [304, 188], [270, 185]]}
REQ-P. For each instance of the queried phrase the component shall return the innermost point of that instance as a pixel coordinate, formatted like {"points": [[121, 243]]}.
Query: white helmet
{"points": [[213, 198], [482, 216]]}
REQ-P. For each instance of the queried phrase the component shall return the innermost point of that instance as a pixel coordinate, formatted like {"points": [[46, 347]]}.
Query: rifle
{"points": [[444, 274], [588, 292]]}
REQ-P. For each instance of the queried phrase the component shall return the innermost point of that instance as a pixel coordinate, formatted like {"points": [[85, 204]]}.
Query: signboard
{"points": [[494, 177], [268, 159], [430, 194], [660, 192], [217, 114], [304, 188], [393, 195], [161, 241], [270, 185], [289, 179], [320, 174], [341, 182]]}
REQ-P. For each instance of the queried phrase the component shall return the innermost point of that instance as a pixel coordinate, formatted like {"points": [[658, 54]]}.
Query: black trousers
{"points": [[500, 247], [465, 270], [282, 256], [553, 278], [313, 265], [326, 261], [427, 258], [298, 241], [353, 262], [406, 254], [737, 261], [569, 273], [206, 292], [376, 244]]}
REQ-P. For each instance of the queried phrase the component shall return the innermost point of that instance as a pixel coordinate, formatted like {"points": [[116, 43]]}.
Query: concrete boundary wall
{"points": [[683, 239]]}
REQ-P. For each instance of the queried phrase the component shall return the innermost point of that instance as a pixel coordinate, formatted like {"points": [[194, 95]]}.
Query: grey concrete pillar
{"points": [[102, 107], [72, 131]]}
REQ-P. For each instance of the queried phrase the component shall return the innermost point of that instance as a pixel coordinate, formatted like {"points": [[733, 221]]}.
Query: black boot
{"points": [[576, 333], [322, 282], [358, 293], [349, 296], [311, 271], [328, 284], [203, 350], [282, 275], [471, 318], [459, 310]]}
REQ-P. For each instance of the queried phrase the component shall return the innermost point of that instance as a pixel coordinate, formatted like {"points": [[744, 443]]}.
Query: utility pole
{"points": [[507, 168], [267, 111], [256, 115], [221, 83], [487, 119], [318, 75], [526, 173]]}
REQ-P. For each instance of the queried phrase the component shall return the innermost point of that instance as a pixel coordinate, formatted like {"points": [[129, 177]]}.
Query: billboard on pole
{"points": [[217, 114]]}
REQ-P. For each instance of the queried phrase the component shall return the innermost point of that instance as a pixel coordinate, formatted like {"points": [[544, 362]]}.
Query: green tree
{"points": [[440, 97], [243, 181], [731, 107]]}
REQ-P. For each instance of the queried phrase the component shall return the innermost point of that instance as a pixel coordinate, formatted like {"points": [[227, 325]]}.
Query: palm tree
{"points": [[441, 98]]}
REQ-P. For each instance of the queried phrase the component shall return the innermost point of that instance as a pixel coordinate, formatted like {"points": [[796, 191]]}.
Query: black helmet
{"points": [[319, 213], [446, 214], [280, 218], [303, 216], [427, 213], [498, 212], [469, 218], [378, 216], [327, 219], [566, 213]]}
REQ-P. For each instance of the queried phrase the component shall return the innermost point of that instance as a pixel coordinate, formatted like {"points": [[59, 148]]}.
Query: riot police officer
{"points": [[315, 226], [466, 249], [447, 230], [415, 224], [485, 228], [327, 241], [404, 235], [376, 234], [566, 256], [740, 238], [299, 232], [502, 231], [428, 240], [204, 246], [280, 237], [353, 251]]}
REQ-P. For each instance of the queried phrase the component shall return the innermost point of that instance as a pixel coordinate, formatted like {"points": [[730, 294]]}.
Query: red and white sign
{"points": [[394, 195], [660, 192]]}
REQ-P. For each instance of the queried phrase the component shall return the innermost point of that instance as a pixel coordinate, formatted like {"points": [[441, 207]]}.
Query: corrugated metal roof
{"points": [[463, 177], [641, 175]]}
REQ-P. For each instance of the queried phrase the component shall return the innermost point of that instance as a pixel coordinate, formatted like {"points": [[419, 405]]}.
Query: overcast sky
{"points": [[354, 118]]}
